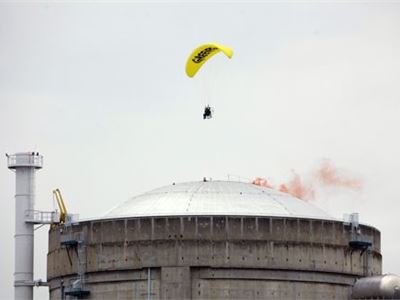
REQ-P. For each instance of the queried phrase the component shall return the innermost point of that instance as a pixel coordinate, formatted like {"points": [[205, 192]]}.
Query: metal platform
{"points": [[77, 288], [69, 243], [360, 244], [42, 217], [25, 159], [79, 293]]}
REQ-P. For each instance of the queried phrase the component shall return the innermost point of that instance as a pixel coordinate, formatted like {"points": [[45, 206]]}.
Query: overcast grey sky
{"points": [[100, 91]]}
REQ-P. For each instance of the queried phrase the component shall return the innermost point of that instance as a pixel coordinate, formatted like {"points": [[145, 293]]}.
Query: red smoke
{"points": [[294, 186], [328, 175], [262, 182], [325, 175], [298, 188]]}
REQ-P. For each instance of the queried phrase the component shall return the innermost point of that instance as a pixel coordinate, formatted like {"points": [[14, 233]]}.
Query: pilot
{"points": [[207, 112]]}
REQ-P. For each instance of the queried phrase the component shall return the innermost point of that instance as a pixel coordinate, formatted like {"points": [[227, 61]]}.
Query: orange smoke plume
{"points": [[262, 182], [328, 175], [296, 187], [323, 176]]}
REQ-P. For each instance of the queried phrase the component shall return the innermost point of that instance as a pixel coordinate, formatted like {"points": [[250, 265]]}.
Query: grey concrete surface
{"points": [[213, 258]]}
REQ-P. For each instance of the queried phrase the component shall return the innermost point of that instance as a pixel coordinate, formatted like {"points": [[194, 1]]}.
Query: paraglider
{"points": [[207, 112], [198, 58]]}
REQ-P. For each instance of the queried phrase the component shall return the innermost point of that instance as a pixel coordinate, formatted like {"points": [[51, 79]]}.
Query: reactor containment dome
{"points": [[211, 240], [216, 198]]}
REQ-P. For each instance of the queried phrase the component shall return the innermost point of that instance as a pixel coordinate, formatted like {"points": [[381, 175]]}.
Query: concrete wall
{"points": [[214, 257]]}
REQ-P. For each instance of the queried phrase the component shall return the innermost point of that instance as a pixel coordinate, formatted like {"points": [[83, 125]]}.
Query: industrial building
{"points": [[211, 239], [203, 240]]}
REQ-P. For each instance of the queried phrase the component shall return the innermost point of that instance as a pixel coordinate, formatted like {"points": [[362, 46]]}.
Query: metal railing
{"points": [[76, 288], [28, 159], [42, 217]]}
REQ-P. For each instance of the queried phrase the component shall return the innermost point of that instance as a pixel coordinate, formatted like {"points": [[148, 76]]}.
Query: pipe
{"points": [[148, 283]]}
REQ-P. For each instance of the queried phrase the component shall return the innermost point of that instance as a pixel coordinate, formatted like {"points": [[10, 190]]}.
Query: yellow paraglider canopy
{"points": [[202, 54]]}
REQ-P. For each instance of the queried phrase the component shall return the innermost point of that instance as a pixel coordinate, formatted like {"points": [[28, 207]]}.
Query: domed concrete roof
{"points": [[212, 198]]}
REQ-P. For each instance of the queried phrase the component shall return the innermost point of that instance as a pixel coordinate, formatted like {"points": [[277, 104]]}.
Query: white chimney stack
{"points": [[25, 165]]}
